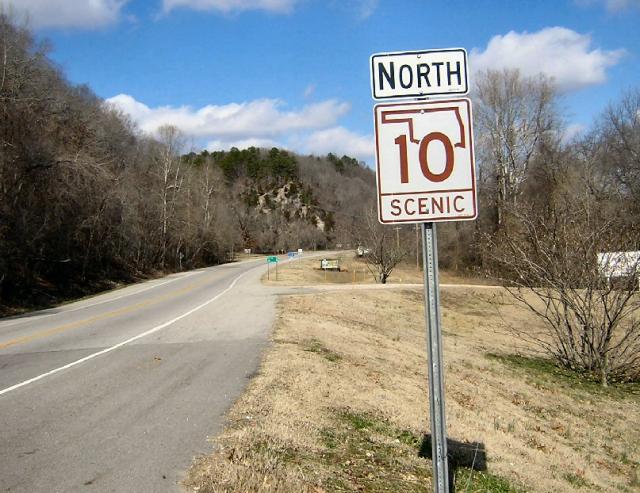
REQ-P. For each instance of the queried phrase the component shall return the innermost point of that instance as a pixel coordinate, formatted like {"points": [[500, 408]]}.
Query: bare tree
{"points": [[620, 147], [591, 326], [385, 251], [168, 161], [513, 116]]}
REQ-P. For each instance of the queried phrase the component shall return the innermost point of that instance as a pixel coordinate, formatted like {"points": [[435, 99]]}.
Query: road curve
{"points": [[119, 392]]}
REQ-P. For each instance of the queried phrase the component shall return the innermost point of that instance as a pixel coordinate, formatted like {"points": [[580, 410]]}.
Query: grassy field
{"points": [[340, 404]]}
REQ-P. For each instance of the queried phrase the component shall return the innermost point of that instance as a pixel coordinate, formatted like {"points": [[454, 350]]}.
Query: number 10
{"points": [[401, 140]]}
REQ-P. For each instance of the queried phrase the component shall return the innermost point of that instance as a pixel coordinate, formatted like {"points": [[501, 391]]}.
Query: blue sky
{"points": [[295, 73]]}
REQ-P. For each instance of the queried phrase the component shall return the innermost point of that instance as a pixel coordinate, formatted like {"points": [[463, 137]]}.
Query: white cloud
{"points": [[261, 118], [220, 145], [312, 129], [362, 9], [309, 90], [260, 123], [228, 6], [613, 6], [64, 13], [340, 141], [573, 131], [620, 5], [560, 53], [366, 8]]}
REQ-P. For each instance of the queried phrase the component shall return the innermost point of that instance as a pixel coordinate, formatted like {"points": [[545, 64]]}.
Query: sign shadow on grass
{"points": [[472, 455]]}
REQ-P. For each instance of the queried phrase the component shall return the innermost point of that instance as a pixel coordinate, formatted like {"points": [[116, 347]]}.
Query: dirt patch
{"points": [[340, 404]]}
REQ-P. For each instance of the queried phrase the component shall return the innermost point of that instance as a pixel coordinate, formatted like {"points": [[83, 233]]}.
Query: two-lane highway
{"points": [[118, 392]]}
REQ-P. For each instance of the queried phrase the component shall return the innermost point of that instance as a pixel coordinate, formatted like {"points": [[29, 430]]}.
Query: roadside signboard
{"points": [[272, 259], [424, 161], [330, 264], [425, 173], [417, 74]]}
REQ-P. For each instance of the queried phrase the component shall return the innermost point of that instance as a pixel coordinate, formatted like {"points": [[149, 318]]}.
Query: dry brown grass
{"points": [[344, 385]]}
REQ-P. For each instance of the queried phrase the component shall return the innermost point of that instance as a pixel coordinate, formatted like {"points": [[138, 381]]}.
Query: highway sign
{"points": [[416, 74], [425, 172], [272, 259], [330, 264], [424, 161]]}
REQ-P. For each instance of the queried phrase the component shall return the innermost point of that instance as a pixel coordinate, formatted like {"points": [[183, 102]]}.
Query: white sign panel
{"points": [[414, 74], [424, 162], [619, 264]]}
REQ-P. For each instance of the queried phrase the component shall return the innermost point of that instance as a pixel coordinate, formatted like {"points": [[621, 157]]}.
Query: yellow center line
{"points": [[74, 325]]}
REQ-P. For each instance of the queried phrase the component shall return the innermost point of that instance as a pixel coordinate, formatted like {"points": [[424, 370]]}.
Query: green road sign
{"points": [[272, 259]]}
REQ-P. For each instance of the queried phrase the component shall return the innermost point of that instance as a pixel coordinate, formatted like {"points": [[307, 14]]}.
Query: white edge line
{"points": [[120, 344]]}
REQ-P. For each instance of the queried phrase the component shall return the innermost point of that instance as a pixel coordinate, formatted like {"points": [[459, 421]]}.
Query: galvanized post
{"points": [[417, 247], [434, 344]]}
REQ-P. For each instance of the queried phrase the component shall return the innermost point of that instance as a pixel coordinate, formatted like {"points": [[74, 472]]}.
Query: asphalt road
{"points": [[119, 392]]}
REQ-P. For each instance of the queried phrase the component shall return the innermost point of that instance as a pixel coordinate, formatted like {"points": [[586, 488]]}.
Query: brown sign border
{"points": [[421, 105]]}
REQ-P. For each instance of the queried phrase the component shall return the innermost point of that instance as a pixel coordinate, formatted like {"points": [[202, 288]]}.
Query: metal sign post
{"points": [[434, 348], [272, 259]]}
